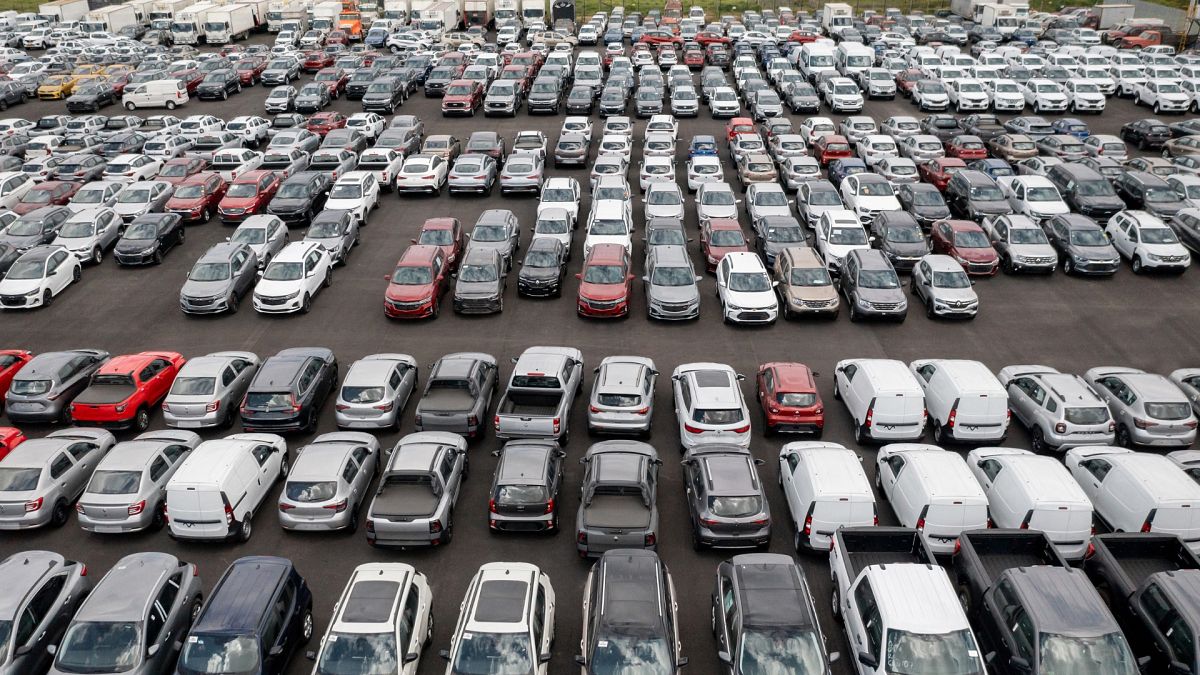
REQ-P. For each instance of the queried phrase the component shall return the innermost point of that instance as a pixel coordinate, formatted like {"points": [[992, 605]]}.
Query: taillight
{"points": [[211, 407], [284, 506], [646, 411], [550, 506], [808, 525], [742, 429], [492, 506], [1112, 426], [709, 522], [341, 407], [34, 505], [953, 415], [370, 527], [692, 430], [78, 507], [1091, 550], [921, 524], [1025, 521], [473, 420], [135, 509], [1149, 520], [384, 407], [557, 424], [496, 421], [435, 526], [581, 538], [593, 409], [295, 405], [336, 508], [870, 415], [957, 545], [228, 510], [649, 540], [1143, 424]]}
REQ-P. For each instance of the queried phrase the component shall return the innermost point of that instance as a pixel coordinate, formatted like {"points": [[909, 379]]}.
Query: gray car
{"points": [[941, 283], [301, 139], [336, 232], [375, 391], [664, 232], [622, 398], [312, 97], [924, 201], [871, 286], [44, 388], [503, 98], [726, 498], [672, 285], [480, 282], [498, 229], [35, 583], [1149, 409], [1082, 245], [219, 280], [524, 492], [128, 488], [1060, 410], [458, 394], [414, 503], [816, 197], [572, 150], [265, 235], [35, 228], [473, 173], [327, 486], [774, 233], [142, 197], [899, 236], [1021, 244], [42, 477], [90, 232], [619, 498], [134, 620], [208, 389], [523, 172]]}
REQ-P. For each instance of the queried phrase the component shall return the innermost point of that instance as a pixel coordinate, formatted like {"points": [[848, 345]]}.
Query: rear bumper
{"points": [[130, 524]]}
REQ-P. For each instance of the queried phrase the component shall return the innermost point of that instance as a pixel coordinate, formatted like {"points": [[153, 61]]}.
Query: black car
{"points": [[984, 125], [900, 237], [544, 268], [975, 195], [12, 93], [1082, 245], [148, 238], [35, 228], [613, 101], [289, 389], [1143, 190], [360, 80], [384, 95], [944, 126], [126, 142], [764, 618], [91, 97], [219, 84], [300, 197], [1086, 190], [1146, 134], [259, 613], [924, 202], [524, 493], [581, 100]]}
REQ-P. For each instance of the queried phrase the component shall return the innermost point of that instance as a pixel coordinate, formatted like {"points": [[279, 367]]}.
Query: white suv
{"points": [[745, 290], [507, 617], [709, 406], [1147, 242], [295, 275]]}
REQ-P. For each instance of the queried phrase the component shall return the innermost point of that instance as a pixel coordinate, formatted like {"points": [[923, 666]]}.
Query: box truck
{"points": [[505, 11], [395, 9], [279, 11], [438, 17], [533, 10], [835, 16], [109, 19], [142, 9], [1103, 17], [223, 25], [479, 12], [187, 28], [325, 16], [62, 11]]}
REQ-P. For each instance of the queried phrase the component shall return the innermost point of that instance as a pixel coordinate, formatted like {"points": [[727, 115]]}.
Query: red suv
{"points": [[11, 361], [718, 237], [462, 97], [197, 197], [324, 122], [10, 437], [446, 234], [416, 286], [335, 79], [938, 171], [248, 195], [316, 60], [606, 283], [788, 395], [830, 147], [966, 242]]}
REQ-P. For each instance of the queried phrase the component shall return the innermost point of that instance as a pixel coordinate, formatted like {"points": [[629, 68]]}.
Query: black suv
{"points": [[923, 202], [259, 613], [1082, 245], [900, 237], [524, 494], [219, 84], [289, 389], [384, 95], [1086, 190], [300, 197], [1146, 134], [975, 195], [1143, 190]]}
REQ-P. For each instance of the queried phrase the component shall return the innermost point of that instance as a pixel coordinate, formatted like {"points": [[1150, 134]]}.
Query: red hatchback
{"points": [[324, 122], [249, 70], [966, 147], [11, 361], [125, 389], [718, 237], [966, 242], [196, 198], [446, 234], [605, 283], [248, 195], [739, 125], [830, 147], [937, 172], [788, 395], [49, 193], [416, 286], [10, 437]]}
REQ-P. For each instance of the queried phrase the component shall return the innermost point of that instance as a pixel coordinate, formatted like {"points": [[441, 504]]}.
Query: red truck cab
{"points": [[446, 234], [196, 198], [248, 195], [416, 286], [605, 283], [125, 389], [790, 402]]}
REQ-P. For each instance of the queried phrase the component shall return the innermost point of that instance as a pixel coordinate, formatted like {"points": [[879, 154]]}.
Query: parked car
{"points": [[418, 489], [328, 484], [1060, 410], [289, 389], [208, 389], [123, 391], [45, 476], [36, 579]]}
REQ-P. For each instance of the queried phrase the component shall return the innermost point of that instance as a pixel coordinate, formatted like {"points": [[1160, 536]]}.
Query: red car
{"points": [[801, 37], [125, 389], [179, 169], [333, 78], [337, 37], [739, 125], [708, 37], [10, 437], [197, 197], [660, 37], [416, 286], [192, 77], [316, 60], [522, 75], [11, 361], [937, 172], [693, 58], [249, 70], [532, 59], [248, 195], [230, 50], [831, 147], [324, 122], [907, 80], [446, 234], [605, 283], [49, 193], [966, 147], [788, 395], [118, 82], [718, 237], [462, 97], [966, 242]]}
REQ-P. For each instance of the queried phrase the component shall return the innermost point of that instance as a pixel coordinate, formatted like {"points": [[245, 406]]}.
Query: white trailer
{"points": [[225, 24], [109, 19], [439, 17], [187, 28], [1109, 16], [533, 10], [142, 9], [62, 11], [167, 9], [325, 16], [479, 12], [395, 9]]}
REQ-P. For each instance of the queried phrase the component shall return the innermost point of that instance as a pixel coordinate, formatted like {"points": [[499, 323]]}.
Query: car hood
{"points": [[204, 289], [674, 294], [477, 289], [409, 292], [1093, 252], [601, 291], [754, 299], [276, 288], [538, 273], [19, 287], [720, 211], [878, 203], [21, 242], [238, 202], [183, 203], [286, 205], [328, 243], [309, 98], [1165, 249], [956, 294], [504, 247], [135, 245], [881, 294], [667, 211], [908, 250], [976, 254]]}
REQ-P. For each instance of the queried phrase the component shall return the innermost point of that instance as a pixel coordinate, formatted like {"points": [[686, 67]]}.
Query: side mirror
{"points": [[834, 656], [1019, 663], [580, 660], [578, 276], [23, 650], [724, 657], [868, 660], [152, 650], [444, 653], [682, 661], [545, 658], [495, 453], [411, 656], [276, 650], [413, 240]]}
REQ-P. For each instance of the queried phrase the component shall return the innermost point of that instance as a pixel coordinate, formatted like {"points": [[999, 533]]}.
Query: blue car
{"points": [[614, 36], [840, 168], [702, 145], [992, 167], [1071, 126]]}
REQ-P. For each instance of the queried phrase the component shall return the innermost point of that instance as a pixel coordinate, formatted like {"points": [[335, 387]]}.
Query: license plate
{"points": [[188, 424], [108, 529]]}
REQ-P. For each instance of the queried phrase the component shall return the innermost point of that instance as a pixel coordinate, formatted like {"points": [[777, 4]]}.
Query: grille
{"points": [[753, 316], [12, 300], [601, 305], [885, 306], [817, 304], [407, 305], [980, 267], [674, 307], [202, 302], [272, 301]]}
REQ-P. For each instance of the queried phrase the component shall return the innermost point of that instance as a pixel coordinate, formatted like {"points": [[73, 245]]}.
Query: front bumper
{"points": [[214, 305], [753, 539], [408, 310], [134, 259], [276, 305], [673, 311], [602, 309]]}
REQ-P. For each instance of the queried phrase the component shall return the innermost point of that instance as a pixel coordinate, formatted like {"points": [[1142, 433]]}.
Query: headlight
{"points": [[863, 303], [149, 250], [1154, 257], [733, 307]]}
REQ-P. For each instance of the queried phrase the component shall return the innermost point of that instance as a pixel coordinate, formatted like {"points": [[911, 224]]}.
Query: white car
{"points": [[422, 173], [1162, 96], [656, 169], [709, 405], [89, 232], [658, 144], [356, 192], [199, 125], [617, 124], [857, 127], [295, 276], [703, 169], [252, 129], [1128, 79], [43, 146], [665, 200], [746, 291], [838, 232], [1044, 96], [1007, 96], [132, 168], [609, 222], [95, 194], [1033, 196], [368, 123], [716, 200], [1147, 242], [13, 186], [1099, 76], [507, 617], [384, 163], [166, 147], [38, 276], [618, 145], [663, 124], [968, 94], [875, 147], [233, 162], [868, 194], [577, 125], [561, 192], [142, 197], [1084, 96]]}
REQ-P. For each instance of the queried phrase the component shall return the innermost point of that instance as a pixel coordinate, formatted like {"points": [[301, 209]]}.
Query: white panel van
{"points": [[966, 403], [933, 491], [882, 397], [168, 94], [826, 488]]}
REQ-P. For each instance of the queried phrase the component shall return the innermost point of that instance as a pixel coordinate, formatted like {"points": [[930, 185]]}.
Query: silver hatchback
{"points": [[128, 488], [375, 391], [43, 389], [1149, 409], [41, 478], [208, 390], [622, 399], [328, 483]]}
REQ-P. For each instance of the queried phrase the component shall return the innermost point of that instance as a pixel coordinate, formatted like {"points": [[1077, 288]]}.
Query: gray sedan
{"points": [[376, 391], [42, 390], [480, 282], [266, 235], [90, 232], [524, 172], [473, 173], [672, 286], [33, 580], [336, 232], [219, 280], [208, 389], [41, 478], [128, 489], [142, 197], [326, 487]]}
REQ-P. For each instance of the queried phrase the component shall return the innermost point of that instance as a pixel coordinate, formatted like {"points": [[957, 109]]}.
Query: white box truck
{"points": [[325, 16], [225, 24], [109, 19], [533, 10], [479, 12], [279, 11], [438, 17], [395, 9], [835, 16], [62, 11], [187, 28], [505, 11], [142, 8], [260, 8]]}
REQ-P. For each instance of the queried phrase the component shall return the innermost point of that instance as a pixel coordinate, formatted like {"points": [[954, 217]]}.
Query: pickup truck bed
{"points": [[445, 400], [105, 394], [862, 547], [1126, 561], [626, 512], [405, 500], [999, 550], [523, 404]]}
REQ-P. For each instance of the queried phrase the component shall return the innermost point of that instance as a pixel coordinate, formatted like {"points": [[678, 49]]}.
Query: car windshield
{"points": [[672, 276], [786, 234], [954, 279], [242, 190], [219, 654], [194, 386], [885, 278], [1094, 188], [325, 229], [749, 282], [541, 259], [1088, 237], [1099, 655], [174, 170], [358, 654], [611, 228], [719, 198], [952, 653], [971, 239], [477, 273], [824, 198], [769, 651], [1160, 195], [604, 274], [436, 238], [904, 235], [115, 482], [346, 191], [630, 650], [489, 233], [75, 229], [493, 654], [284, 271], [727, 238], [412, 276], [99, 647], [728, 506], [1042, 194], [141, 231], [24, 270], [848, 236], [986, 193], [18, 480], [23, 227], [1158, 235], [310, 491]]}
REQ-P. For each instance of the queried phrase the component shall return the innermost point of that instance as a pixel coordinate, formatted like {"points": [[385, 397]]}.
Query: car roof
{"points": [[524, 462], [124, 593], [240, 599], [632, 595], [321, 461], [771, 591], [23, 572], [1061, 600]]}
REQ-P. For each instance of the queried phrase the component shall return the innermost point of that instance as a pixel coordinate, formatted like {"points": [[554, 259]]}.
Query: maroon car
{"points": [[966, 242], [177, 170], [317, 59], [49, 193], [462, 97], [197, 197], [249, 70], [324, 122], [248, 195], [333, 78]]}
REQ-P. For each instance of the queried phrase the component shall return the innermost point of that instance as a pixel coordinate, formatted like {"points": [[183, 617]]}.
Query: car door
{"points": [[42, 622], [726, 620], [244, 273], [312, 264], [368, 464], [850, 393], [165, 623], [788, 464], [411, 629], [86, 456], [265, 456], [865, 627], [1090, 475], [1122, 235], [402, 381], [1024, 396]]}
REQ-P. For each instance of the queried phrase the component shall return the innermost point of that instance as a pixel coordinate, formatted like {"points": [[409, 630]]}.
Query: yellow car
{"points": [[56, 87]]}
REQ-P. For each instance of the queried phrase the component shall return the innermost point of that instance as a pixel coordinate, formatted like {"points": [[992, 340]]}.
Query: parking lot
{"points": [[1072, 324]]}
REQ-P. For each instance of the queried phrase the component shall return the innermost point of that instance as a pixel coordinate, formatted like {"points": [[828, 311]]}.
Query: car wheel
{"points": [[1124, 439], [939, 433], [233, 303], [58, 517], [1157, 109], [1037, 441], [797, 542], [328, 279], [860, 435], [245, 529], [1137, 265], [306, 626], [1141, 144], [182, 235], [283, 466], [1068, 267], [141, 419], [239, 88], [835, 603], [224, 96], [194, 613], [697, 545], [448, 533], [97, 255], [353, 525], [306, 304], [47, 298], [854, 317], [159, 520], [929, 311], [205, 215], [158, 257]]}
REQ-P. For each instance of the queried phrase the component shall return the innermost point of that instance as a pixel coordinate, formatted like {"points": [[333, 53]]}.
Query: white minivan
{"points": [[933, 491], [826, 488], [1138, 491], [168, 94], [966, 403], [220, 486], [1036, 492], [882, 397]]}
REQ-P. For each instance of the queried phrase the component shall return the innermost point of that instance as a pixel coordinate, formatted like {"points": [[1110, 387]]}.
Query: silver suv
{"points": [[1148, 409], [219, 280], [622, 399], [672, 286], [942, 284], [726, 500], [1060, 410]]}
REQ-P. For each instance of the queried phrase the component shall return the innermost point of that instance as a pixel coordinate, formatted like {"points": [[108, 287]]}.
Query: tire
{"points": [[158, 257], [47, 298], [141, 419], [170, 105], [233, 303], [1157, 109], [448, 533], [1136, 265], [1037, 441], [939, 433], [697, 545], [1068, 267], [205, 215], [58, 517], [160, 519], [194, 613], [835, 603], [306, 305], [860, 435], [837, 393], [797, 544], [328, 279], [76, 274], [245, 528], [1124, 439], [306, 626], [353, 525], [224, 95]]}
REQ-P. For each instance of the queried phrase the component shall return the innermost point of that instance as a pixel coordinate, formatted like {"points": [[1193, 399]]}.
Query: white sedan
{"points": [[356, 192], [38, 276], [422, 173], [293, 278]]}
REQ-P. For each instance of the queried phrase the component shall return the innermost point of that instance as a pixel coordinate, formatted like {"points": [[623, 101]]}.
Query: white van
{"points": [[883, 398], [826, 488], [816, 58], [932, 490], [168, 94], [1138, 491], [853, 57], [217, 489], [1036, 492], [966, 403]]}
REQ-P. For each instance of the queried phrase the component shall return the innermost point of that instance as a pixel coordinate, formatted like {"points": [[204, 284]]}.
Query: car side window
{"points": [[896, 463], [1022, 632], [174, 452], [60, 466], [539, 618], [275, 620], [161, 609], [262, 453], [408, 619], [350, 471], [926, 371], [728, 603], [396, 378], [1097, 467], [991, 468], [793, 460], [849, 372], [80, 450], [1051, 404], [685, 392], [38, 608], [228, 375], [360, 455], [868, 612], [157, 468]]}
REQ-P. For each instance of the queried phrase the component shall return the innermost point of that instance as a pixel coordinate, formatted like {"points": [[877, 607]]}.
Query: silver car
{"points": [[41, 478], [219, 280], [142, 197], [208, 389], [672, 286], [414, 503], [941, 283], [664, 200], [1188, 380], [622, 399], [375, 391], [1149, 409], [327, 485], [498, 229], [33, 581], [1021, 244], [480, 282], [1060, 410], [523, 172], [336, 232], [814, 198], [266, 235], [473, 173], [43, 389], [134, 620], [128, 488], [89, 232]]}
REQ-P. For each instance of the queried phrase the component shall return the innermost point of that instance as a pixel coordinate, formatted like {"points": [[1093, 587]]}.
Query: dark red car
{"points": [[718, 237], [118, 82], [197, 197], [317, 59], [10, 437], [739, 125], [49, 193], [337, 37], [249, 70], [966, 242], [416, 286], [248, 195], [708, 37], [906, 81], [831, 147], [333, 78], [191, 77], [522, 75], [324, 122], [462, 97], [788, 395], [532, 59], [937, 172], [606, 283], [125, 389], [179, 169], [230, 50], [693, 58], [966, 147], [446, 234], [11, 361]]}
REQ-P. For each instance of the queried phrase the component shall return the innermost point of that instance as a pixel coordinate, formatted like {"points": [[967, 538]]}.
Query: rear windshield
{"points": [[796, 400], [717, 415], [115, 482], [535, 382], [1087, 415], [619, 400], [362, 394], [311, 491], [269, 400], [521, 494], [735, 507], [1168, 411], [19, 480]]}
